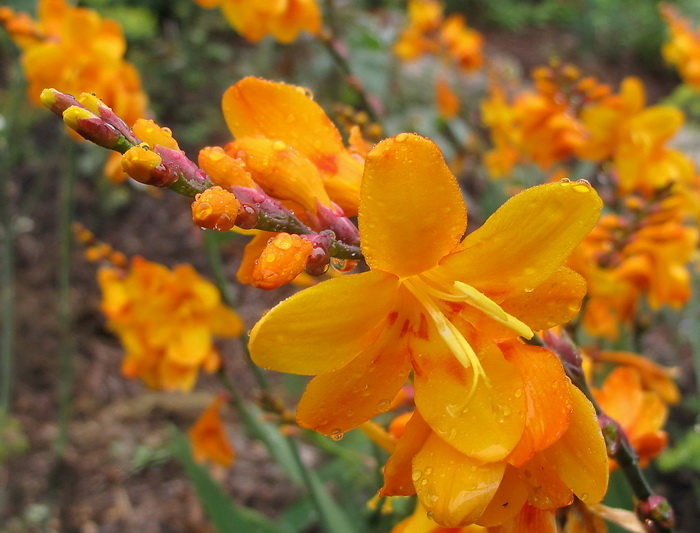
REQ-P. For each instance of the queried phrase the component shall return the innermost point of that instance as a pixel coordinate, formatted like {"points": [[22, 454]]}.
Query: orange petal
{"points": [[487, 427], [531, 519], [579, 456], [549, 401], [323, 327], [409, 202], [545, 488], [556, 301], [527, 239], [508, 500], [254, 106], [398, 480], [455, 495], [341, 400]]}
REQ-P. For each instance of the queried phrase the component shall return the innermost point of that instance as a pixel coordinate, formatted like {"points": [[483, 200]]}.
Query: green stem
{"points": [[311, 487], [328, 39], [66, 341], [8, 154], [213, 249]]}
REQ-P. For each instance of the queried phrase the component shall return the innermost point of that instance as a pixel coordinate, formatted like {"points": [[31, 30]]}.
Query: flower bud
{"points": [[282, 260], [94, 129], [146, 166], [216, 209]]}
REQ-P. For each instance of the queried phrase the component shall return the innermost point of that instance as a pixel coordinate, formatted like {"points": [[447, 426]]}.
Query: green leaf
{"points": [[281, 449], [686, 453], [225, 514]]}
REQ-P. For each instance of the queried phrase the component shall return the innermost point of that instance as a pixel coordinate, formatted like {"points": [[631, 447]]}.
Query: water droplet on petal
{"points": [[384, 406], [401, 137], [416, 475], [337, 434]]}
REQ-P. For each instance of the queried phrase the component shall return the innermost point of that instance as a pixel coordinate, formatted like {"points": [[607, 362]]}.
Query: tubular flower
{"points": [[289, 145], [216, 209], [255, 19], [75, 51], [640, 413], [437, 311], [542, 127], [644, 252], [429, 32], [633, 138], [683, 50], [282, 260], [208, 437], [165, 320], [458, 490]]}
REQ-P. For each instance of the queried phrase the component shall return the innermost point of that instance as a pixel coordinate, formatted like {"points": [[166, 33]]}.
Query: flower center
{"points": [[429, 289]]}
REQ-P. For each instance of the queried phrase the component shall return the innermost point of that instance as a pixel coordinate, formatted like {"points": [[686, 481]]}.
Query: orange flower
{"points": [[458, 490], [653, 377], [683, 50], [644, 252], [282, 260], [428, 32], [634, 138], [208, 437], [165, 319], [438, 312], [542, 127], [447, 100], [289, 145], [75, 51], [255, 19], [640, 413]]}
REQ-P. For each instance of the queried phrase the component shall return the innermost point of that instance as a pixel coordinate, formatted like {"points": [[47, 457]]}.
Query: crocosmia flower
{"points": [[166, 320], [432, 303], [255, 19], [208, 437], [683, 49], [75, 50]]}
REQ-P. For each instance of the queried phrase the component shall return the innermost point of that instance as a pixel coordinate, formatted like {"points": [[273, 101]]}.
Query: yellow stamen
{"points": [[468, 294], [454, 339]]}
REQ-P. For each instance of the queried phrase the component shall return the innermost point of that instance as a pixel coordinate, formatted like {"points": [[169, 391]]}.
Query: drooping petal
{"points": [[527, 239], [411, 210], [579, 456], [338, 401], [548, 397], [323, 327], [455, 496], [556, 301], [485, 424], [398, 472]]}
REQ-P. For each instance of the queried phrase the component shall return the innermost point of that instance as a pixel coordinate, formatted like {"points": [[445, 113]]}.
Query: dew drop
{"points": [[565, 180], [416, 475], [518, 393], [167, 131], [401, 137], [424, 482], [279, 146], [428, 471], [384, 406], [337, 434], [580, 187], [216, 155]]}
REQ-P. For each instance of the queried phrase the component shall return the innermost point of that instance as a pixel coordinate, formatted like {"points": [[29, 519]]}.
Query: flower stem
{"points": [[624, 454], [66, 372], [213, 249], [8, 155]]}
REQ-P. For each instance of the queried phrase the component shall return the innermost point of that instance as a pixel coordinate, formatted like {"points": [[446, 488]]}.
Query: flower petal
{"points": [[456, 495], [556, 301], [579, 456], [411, 210], [525, 241], [548, 397], [323, 327], [283, 112], [398, 473], [508, 500], [488, 425], [338, 401]]}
